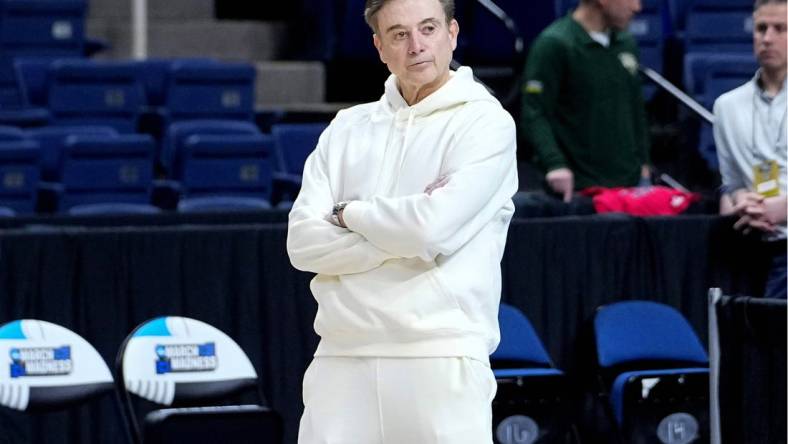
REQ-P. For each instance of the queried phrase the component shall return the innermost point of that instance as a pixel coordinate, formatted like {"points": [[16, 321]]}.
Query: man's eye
{"points": [[428, 29], [400, 35], [761, 28]]}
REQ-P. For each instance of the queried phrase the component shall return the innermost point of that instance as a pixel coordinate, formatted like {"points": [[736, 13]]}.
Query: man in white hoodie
{"points": [[403, 214]]}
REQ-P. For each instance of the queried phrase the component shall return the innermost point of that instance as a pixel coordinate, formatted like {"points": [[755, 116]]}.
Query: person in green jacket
{"points": [[583, 110]]}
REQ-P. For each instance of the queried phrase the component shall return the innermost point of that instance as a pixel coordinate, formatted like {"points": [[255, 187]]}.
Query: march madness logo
{"points": [[41, 361], [175, 358]]}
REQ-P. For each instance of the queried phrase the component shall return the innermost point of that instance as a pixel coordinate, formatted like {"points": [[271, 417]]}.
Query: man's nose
{"points": [[415, 44], [637, 6], [769, 34]]}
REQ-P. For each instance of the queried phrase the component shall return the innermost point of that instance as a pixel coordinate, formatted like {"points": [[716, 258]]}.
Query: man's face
{"points": [[618, 13], [768, 35], [416, 44]]}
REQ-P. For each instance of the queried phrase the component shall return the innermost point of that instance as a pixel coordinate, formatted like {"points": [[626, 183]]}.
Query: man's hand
{"points": [[439, 182], [753, 212], [562, 181]]}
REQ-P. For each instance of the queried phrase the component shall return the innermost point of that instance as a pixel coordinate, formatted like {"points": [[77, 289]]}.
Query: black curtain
{"points": [[103, 281]]}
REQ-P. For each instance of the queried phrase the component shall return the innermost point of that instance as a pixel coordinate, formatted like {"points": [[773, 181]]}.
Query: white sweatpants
{"points": [[397, 401]]}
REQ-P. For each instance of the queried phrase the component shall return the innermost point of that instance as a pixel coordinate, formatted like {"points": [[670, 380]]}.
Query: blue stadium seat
{"points": [[653, 371], [226, 172], [532, 402], [354, 40], [53, 139], [37, 28], [178, 132], [104, 170], [96, 93], [154, 75], [19, 175], [294, 143], [32, 76], [719, 26], [46, 27], [200, 90], [711, 76]]}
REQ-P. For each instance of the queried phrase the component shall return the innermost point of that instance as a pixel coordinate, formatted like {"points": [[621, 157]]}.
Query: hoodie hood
{"points": [[461, 88]]}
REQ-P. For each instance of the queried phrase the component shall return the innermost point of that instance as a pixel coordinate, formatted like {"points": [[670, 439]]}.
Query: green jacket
{"points": [[583, 106]]}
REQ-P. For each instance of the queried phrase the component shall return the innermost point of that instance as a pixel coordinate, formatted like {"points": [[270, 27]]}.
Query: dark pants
{"points": [[776, 285]]}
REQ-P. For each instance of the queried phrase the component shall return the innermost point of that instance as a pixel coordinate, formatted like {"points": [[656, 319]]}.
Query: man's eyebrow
{"points": [[431, 20]]}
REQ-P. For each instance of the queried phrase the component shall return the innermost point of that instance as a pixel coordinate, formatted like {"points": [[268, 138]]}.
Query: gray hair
{"points": [[372, 7], [759, 3]]}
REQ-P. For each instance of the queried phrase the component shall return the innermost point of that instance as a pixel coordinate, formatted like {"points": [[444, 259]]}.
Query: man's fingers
{"points": [[742, 222], [568, 194]]}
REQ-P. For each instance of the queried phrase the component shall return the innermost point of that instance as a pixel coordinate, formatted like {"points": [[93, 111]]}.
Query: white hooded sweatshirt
{"points": [[414, 274]]}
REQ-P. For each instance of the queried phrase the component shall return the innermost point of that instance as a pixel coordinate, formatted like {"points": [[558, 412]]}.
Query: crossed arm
{"points": [[480, 177]]}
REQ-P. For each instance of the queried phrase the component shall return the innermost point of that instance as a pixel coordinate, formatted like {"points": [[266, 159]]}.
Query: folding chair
{"points": [[532, 404], [653, 372], [51, 368], [173, 361]]}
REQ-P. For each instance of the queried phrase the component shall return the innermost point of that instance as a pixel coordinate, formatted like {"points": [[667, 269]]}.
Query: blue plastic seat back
{"points": [[54, 27], [700, 66], [177, 133], [200, 90], [32, 76], [11, 133], [96, 93], [19, 175], [227, 165], [354, 36], [154, 75], [48, 367], [719, 26], [99, 169], [294, 143], [52, 140], [519, 341], [632, 331]]}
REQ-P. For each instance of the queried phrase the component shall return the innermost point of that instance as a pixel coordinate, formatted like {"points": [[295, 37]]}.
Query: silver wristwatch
{"points": [[339, 206]]}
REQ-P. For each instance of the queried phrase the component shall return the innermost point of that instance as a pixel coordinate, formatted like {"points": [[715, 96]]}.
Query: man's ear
{"points": [[378, 45], [454, 30]]}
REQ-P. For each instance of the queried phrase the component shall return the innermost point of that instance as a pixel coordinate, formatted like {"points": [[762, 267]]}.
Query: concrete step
{"points": [[222, 39], [157, 9], [289, 83]]}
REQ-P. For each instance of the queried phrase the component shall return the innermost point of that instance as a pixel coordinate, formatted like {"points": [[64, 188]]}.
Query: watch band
{"points": [[339, 206]]}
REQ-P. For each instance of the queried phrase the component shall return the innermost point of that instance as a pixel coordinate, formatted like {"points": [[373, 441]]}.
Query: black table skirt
{"points": [[103, 281]]}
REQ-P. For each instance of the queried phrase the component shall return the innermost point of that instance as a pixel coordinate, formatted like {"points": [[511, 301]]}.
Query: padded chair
{"points": [[107, 174], [53, 139], [172, 361], [37, 28], [197, 89], [51, 368], [293, 144], [19, 174], [719, 74], [654, 372], [226, 173], [170, 157], [96, 93], [719, 26], [532, 402], [727, 70]]}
